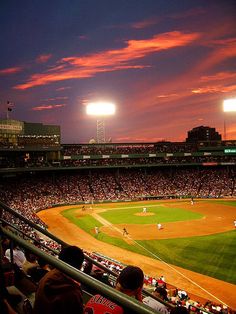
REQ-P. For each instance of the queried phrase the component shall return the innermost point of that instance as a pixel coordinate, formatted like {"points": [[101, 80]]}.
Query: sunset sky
{"points": [[166, 64]]}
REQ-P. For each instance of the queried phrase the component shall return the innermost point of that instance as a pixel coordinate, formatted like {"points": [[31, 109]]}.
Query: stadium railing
{"points": [[129, 304], [62, 243]]}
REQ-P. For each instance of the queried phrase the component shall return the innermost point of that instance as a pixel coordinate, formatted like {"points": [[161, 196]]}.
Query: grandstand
{"points": [[33, 179]]}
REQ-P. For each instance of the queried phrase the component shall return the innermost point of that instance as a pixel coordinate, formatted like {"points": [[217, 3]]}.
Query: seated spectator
{"points": [[161, 282], [58, 293], [30, 262], [37, 273], [182, 295], [130, 282], [18, 256], [179, 310], [159, 293]]}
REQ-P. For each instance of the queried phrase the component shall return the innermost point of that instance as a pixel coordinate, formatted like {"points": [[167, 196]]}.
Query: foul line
{"points": [[109, 225]]}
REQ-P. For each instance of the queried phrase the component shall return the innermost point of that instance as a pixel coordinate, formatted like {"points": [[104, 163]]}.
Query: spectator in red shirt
{"points": [[130, 282]]}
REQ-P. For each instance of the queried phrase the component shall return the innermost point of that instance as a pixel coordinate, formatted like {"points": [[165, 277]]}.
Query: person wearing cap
{"points": [[161, 294], [130, 282]]}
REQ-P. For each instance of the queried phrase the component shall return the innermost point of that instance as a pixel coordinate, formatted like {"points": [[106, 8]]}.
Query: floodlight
{"points": [[229, 105], [100, 108]]}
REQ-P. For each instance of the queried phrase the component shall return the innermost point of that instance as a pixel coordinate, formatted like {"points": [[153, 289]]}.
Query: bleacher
{"points": [[23, 285], [19, 283]]}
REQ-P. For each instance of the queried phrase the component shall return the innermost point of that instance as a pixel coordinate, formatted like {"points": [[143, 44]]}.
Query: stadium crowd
{"points": [[39, 161], [146, 148], [68, 293], [108, 162], [122, 184]]}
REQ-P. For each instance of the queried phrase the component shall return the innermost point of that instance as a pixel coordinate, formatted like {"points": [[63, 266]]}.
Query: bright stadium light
{"points": [[100, 109], [229, 105]]}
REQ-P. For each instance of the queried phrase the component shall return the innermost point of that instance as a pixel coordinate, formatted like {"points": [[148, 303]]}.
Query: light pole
{"points": [[100, 110], [229, 105]]}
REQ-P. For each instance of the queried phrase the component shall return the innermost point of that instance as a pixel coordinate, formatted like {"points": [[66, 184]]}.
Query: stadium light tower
{"points": [[229, 105], [100, 110]]}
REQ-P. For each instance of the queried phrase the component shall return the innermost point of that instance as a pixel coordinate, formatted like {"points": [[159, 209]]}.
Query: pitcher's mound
{"points": [[144, 214]]}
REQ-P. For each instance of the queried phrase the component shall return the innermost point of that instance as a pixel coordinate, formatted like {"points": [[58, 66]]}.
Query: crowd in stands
{"points": [[141, 148], [108, 162], [57, 293], [124, 184], [42, 162], [160, 147]]}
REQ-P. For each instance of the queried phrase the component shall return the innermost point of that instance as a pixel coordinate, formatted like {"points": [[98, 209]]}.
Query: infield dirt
{"points": [[217, 218]]}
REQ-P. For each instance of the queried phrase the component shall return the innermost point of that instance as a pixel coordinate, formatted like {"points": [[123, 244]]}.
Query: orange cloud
{"points": [[43, 58], [219, 76], [9, 71], [214, 89], [167, 95], [110, 60], [47, 107], [221, 50]]}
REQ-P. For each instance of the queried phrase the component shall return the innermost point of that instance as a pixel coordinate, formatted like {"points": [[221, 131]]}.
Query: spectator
{"points": [[31, 262], [39, 271], [130, 282], [58, 293], [179, 310], [18, 256], [161, 294]]}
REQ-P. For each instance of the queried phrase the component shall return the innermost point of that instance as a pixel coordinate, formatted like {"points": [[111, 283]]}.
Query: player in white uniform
{"points": [[144, 209], [159, 226]]}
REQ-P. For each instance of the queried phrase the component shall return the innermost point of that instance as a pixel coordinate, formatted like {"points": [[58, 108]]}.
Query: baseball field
{"points": [[194, 249]]}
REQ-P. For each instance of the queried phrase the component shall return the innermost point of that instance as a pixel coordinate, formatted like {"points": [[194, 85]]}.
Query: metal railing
{"points": [[132, 305]]}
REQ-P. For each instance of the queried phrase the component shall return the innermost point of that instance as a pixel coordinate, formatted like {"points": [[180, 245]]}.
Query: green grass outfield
{"points": [[212, 255], [160, 214]]}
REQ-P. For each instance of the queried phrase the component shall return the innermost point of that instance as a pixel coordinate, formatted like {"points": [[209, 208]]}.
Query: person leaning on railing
{"points": [[58, 293]]}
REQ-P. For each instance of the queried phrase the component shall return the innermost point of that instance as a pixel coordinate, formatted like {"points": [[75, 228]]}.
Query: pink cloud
{"points": [[63, 88], [167, 96], [214, 89], [48, 107], [221, 50], [9, 71], [43, 58], [145, 23], [56, 98], [218, 76], [110, 60]]}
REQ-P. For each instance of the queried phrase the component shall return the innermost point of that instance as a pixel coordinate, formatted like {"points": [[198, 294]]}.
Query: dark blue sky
{"points": [[167, 65]]}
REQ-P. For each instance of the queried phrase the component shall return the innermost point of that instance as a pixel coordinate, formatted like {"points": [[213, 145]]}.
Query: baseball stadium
{"points": [[168, 208]]}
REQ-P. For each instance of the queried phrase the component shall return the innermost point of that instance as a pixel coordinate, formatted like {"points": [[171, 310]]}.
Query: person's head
{"points": [[179, 310], [42, 263], [160, 292], [130, 280], [72, 255]]}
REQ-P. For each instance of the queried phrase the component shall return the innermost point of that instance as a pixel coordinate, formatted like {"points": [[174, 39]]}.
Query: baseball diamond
{"points": [[178, 250]]}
